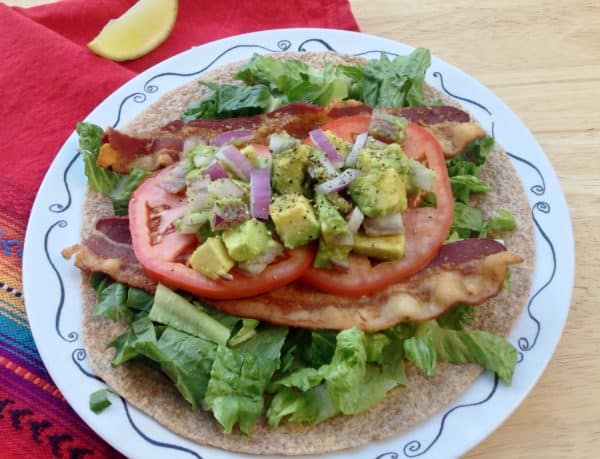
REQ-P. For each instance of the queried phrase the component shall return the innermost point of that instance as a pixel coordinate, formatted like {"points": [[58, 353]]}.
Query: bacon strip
{"points": [[122, 152], [465, 272], [424, 296], [108, 249]]}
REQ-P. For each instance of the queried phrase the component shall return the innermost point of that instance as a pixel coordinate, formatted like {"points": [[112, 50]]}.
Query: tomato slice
{"points": [[163, 255], [426, 228]]}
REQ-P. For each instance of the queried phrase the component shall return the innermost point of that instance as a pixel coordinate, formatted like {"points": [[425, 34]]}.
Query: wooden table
{"points": [[543, 60]]}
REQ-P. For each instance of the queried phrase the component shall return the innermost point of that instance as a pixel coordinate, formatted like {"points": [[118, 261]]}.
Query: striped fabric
{"points": [[35, 420]]}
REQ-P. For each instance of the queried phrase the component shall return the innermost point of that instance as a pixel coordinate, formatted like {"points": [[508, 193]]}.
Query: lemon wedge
{"points": [[141, 29]]}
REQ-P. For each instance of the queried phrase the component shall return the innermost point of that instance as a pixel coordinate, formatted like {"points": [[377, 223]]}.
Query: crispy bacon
{"points": [[121, 152], [108, 249], [466, 272], [423, 296]]}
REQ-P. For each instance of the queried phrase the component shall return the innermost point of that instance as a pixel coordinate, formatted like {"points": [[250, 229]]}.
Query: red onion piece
{"points": [[260, 193], [337, 183], [216, 171], [174, 180], [192, 142], [359, 143], [279, 142], [320, 140], [237, 136], [236, 161], [384, 226], [355, 219]]}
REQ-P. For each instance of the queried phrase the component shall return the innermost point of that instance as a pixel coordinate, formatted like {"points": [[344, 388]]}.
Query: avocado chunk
{"points": [[382, 158], [334, 227], [289, 170], [211, 258], [246, 241], [343, 205], [380, 247], [329, 256], [295, 220], [379, 192]]}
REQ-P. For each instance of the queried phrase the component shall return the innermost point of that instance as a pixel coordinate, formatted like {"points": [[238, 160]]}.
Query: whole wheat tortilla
{"points": [[151, 391]]}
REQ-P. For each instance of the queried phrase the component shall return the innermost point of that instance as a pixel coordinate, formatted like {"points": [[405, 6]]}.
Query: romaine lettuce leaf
{"points": [[432, 343], [349, 361], [464, 185], [228, 101], [313, 406], [503, 220], [292, 80], [239, 378], [392, 83], [125, 186], [457, 317], [321, 349], [112, 302], [187, 360], [90, 141]]}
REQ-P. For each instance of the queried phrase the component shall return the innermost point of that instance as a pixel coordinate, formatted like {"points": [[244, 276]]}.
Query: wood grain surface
{"points": [[543, 60]]}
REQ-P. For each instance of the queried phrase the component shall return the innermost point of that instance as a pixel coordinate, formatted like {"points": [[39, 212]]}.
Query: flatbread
{"points": [[154, 394]]}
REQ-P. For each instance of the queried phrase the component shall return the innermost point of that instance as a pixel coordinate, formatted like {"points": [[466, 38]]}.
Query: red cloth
{"points": [[49, 80]]}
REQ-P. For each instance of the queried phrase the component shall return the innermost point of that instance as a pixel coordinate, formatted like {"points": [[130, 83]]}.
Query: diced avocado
{"points": [[211, 258], [232, 212], [246, 241], [334, 227], [380, 247], [382, 158], [267, 256], [330, 255], [343, 205], [289, 170], [295, 220], [316, 166], [379, 192]]}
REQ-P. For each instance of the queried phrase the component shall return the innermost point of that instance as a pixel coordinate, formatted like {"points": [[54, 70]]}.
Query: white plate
{"points": [[51, 285]]}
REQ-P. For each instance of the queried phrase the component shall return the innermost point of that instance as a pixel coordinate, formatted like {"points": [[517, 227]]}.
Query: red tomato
{"points": [[163, 255], [426, 228]]}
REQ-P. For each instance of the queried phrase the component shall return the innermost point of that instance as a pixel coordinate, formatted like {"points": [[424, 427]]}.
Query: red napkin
{"points": [[49, 81]]}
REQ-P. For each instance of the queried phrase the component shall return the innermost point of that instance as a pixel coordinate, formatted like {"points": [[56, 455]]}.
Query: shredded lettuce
{"points": [[99, 400], [227, 101], [457, 317], [293, 80], [239, 378], [392, 83], [432, 344]]}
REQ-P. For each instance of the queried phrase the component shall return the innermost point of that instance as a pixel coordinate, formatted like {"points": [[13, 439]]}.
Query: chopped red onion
{"points": [[260, 193], [216, 171], [192, 142], [202, 160], [359, 143], [280, 142], [174, 180], [198, 197], [325, 163], [235, 212], [168, 216], [355, 219], [384, 226], [322, 141], [236, 161], [238, 136], [337, 183], [226, 188], [422, 177]]}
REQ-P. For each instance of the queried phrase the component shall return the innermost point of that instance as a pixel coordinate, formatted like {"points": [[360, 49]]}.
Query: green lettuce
{"points": [[313, 406], [117, 301], [90, 141], [292, 80], [125, 186], [392, 83], [457, 317], [228, 101], [432, 344], [239, 378]]}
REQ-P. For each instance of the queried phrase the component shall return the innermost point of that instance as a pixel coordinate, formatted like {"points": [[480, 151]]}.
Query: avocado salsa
{"points": [[373, 189], [248, 204]]}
